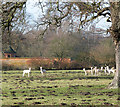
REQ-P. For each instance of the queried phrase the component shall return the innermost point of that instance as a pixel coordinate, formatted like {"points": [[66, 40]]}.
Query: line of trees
{"points": [[86, 48]]}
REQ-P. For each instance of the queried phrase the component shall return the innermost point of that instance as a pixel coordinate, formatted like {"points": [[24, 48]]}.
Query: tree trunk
{"points": [[116, 81], [115, 33]]}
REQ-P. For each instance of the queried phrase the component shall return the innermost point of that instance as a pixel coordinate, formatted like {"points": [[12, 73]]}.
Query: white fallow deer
{"points": [[92, 70], [86, 71], [26, 71], [100, 70], [105, 70], [42, 70], [111, 70], [96, 71]]}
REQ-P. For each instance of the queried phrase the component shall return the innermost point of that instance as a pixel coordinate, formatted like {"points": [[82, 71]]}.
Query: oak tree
{"points": [[80, 14]]}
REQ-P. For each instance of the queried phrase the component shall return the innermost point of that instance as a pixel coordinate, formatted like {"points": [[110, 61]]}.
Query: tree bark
{"points": [[116, 81], [115, 33]]}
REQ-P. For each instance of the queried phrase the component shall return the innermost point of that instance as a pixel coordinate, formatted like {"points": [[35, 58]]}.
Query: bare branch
{"points": [[99, 13]]}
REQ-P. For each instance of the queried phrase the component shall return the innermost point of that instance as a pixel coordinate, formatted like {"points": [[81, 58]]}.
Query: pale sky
{"points": [[34, 11]]}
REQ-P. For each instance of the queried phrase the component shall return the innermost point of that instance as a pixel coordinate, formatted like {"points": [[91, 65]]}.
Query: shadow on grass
{"points": [[68, 78]]}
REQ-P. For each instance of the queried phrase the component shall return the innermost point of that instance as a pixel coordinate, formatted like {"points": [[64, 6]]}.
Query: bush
{"points": [[14, 64], [48, 63], [6, 67], [75, 64], [37, 62], [61, 65]]}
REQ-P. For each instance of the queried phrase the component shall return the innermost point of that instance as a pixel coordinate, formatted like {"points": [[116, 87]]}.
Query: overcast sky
{"points": [[34, 12]]}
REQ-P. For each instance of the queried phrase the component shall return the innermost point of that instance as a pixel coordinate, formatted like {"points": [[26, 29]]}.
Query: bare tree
{"points": [[82, 13], [104, 52], [12, 16]]}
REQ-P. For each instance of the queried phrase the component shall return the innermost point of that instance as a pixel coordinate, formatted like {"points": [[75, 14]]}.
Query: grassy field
{"points": [[58, 87]]}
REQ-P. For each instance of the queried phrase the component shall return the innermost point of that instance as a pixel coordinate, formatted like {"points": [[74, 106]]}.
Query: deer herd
{"points": [[28, 71], [92, 71], [96, 71]]}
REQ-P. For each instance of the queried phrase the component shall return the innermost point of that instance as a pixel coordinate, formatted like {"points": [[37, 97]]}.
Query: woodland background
{"points": [[80, 49]]}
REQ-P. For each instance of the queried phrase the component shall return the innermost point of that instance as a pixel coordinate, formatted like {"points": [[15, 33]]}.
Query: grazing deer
{"points": [[42, 70], [111, 70], [92, 70], [96, 71], [26, 71], [86, 71], [101, 69]]}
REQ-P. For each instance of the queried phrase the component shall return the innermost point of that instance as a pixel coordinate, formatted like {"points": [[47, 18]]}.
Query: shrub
{"points": [[6, 67], [48, 63], [75, 64], [37, 62], [14, 64]]}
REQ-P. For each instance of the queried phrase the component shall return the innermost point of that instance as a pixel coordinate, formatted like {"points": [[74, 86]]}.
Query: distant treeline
{"points": [[85, 49]]}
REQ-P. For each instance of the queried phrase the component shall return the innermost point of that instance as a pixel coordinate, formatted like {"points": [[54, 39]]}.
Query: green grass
{"points": [[58, 87]]}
